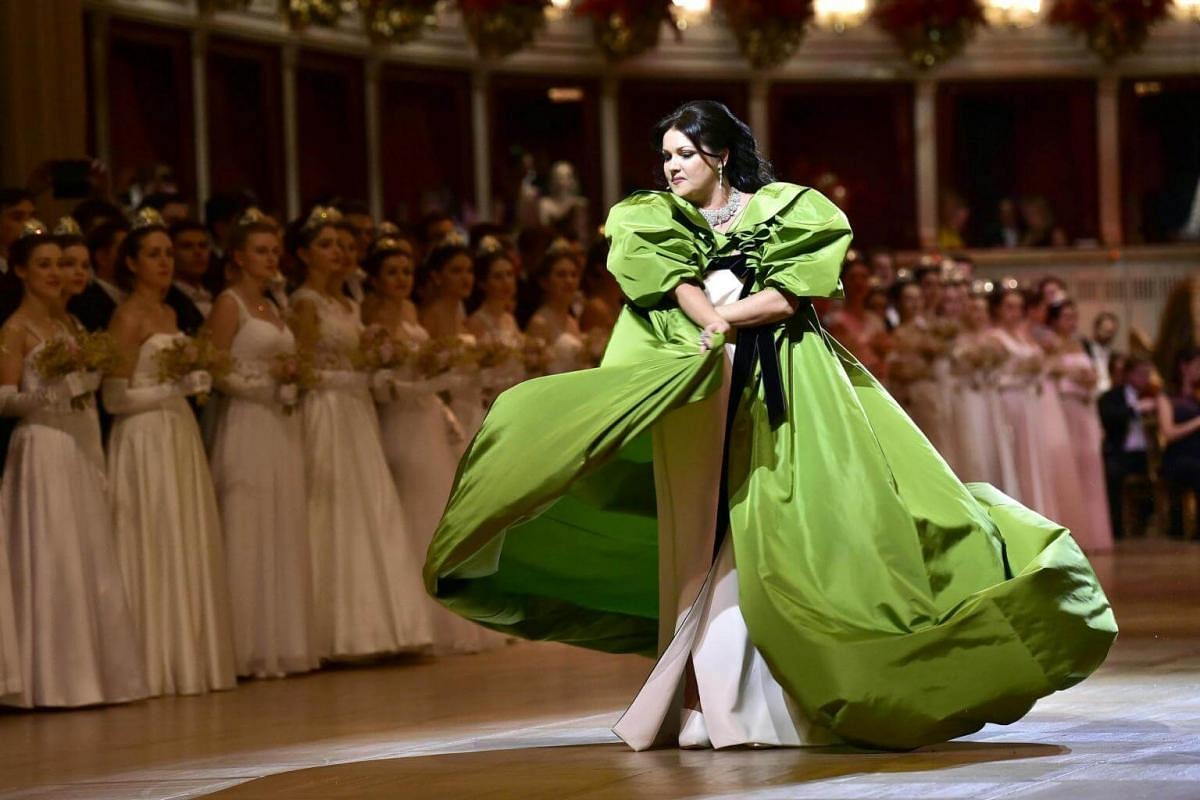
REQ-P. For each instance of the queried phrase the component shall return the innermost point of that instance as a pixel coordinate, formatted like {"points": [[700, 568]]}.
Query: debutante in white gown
{"points": [[1019, 386], [983, 447], [10, 654], [422, 440], [700, 619], [168, 534], [369, 597], [258, 472], [502, 331], [1078, 399], [564, 347], [77, 641]]}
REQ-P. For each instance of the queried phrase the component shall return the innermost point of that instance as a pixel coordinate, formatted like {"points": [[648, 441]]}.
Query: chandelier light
{"points": [[558, 9], [1012, 13], [688, 12], [1187, 10], [839, 14]]}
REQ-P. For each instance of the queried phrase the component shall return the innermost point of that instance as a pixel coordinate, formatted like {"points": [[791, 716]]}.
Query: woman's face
{"points": [[41, 276], [456, 278], [395, 278], [690, 174], [1067, 322], [877, 302], [911, 302], [348, 243], [75, 264], [954, 299], [258, 259], [1190, 371], [977, 313], [501, 283], [154, 264], [561, 282], [857, 281], [1012, 309], [323, 256]]}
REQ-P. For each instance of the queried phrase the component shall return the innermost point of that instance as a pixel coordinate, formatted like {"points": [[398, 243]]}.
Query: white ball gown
{"points": [[1023, 424], [502, 331], [10, 655], [369, 597], [422, 442], [1078, 399], [77, 640], [258, 472], [168, 531], [983, 449]]}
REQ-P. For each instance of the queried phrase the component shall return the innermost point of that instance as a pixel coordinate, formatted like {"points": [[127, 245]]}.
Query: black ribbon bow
{"points": [[755, 346]]}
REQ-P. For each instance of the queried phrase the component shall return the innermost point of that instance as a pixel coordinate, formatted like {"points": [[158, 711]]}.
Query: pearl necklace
{"points": [[719, 216]]}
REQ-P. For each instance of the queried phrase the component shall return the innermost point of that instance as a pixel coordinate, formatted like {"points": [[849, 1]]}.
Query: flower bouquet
{"points": [[930, 32], [294, 373], [1113, 28], [397, 21], [195, 354], [500, 28], [626, 28], [768, 32], [95, 353]]}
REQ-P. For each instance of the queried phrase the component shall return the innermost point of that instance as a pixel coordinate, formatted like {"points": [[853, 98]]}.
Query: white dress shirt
{"points": [[201, 297], [1135, 437]]}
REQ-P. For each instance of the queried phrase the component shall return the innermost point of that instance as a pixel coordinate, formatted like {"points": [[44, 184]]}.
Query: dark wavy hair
{"points": [[131, 247], [1056, 309], [712, 127]]}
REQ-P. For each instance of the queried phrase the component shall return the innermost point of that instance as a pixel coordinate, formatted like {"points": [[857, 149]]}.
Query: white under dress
{"points": [[422, 441], [168, 539], [258, 472], [368, 595], [700, 620], [73, 628]]}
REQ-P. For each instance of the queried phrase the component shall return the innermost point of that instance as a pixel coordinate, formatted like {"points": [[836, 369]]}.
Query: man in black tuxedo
{"points": [[16, 208], [1124, 448], [1100, 347], [188, 295]]}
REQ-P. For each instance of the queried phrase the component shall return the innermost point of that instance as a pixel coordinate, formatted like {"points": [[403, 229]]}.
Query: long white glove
{"points": [[121, 398], [15, 403], [387, 385], [78, 384]]}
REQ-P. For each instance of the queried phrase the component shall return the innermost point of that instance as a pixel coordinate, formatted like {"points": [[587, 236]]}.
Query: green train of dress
{"points": [[895, 605]]}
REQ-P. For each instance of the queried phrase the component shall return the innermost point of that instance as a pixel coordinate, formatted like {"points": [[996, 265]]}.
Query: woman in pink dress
{"points": [[1018, 384], [1076, 384]]}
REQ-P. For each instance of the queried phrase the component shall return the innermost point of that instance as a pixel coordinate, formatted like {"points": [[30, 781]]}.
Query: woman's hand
{"points": [[706, 335]]}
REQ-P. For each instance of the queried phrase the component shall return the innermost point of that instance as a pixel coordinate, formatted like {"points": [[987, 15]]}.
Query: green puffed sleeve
{"points": [[652, 247], [807, 242]]}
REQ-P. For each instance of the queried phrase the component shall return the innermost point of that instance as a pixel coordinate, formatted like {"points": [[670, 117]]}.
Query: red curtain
{"points": [[331, 125], [425, 121], [245, 130], [858, 137], [150, 103]]}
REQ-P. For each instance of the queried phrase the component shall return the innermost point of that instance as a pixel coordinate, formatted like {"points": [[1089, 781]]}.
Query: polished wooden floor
{"points": [[531, 721]]}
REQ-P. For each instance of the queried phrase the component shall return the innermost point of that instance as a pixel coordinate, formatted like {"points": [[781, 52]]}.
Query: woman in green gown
{"points": [[804, 564]]}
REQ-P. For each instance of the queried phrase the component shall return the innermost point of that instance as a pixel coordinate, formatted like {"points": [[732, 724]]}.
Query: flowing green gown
{"points": [[895, 605]]}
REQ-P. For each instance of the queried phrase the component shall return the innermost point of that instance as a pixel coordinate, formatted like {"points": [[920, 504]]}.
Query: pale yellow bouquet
{"points": [[193, 354]]}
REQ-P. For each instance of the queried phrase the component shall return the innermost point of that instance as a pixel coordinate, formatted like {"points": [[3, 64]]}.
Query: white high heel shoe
{"points": [[693, 733]]}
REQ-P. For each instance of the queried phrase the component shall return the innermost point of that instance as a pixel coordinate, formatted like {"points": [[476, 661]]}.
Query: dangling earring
{"points": [[721, 172]]}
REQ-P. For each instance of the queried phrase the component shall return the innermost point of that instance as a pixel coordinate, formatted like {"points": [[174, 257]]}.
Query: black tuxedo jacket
{"points": [[93, 307], [187, 316], [1115, 417]]}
